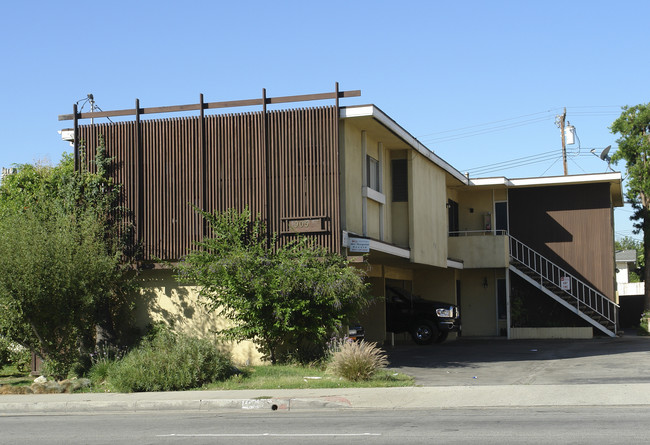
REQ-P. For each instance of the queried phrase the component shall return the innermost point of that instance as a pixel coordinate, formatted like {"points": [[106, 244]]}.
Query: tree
{"points": [[62, 264], [633, 126], [288, 298]]}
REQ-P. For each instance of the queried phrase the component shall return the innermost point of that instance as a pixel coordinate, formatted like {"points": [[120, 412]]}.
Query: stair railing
{"points": [[587, 298]]}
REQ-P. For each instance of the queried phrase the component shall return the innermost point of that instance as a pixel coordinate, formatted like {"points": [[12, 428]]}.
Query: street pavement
{"points": [[460, 373]]}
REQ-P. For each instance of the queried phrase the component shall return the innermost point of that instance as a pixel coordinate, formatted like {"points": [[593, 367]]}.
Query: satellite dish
{"points": [[605, 154]]}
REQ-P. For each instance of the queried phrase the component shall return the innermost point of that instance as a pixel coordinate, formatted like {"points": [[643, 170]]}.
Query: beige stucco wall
{"points": [[400, 224], [478, 309], [480, 251], [351, 178], [352, 169], [536, 333], [374, 214], [373, 319], [163, 299], [427, 215], [472, 209], [500, 194]]}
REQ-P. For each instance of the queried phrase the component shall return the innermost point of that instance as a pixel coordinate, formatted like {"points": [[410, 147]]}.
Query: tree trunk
{"points": [[646, 253]]}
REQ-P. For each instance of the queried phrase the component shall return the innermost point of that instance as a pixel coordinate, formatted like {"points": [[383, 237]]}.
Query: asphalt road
{"points": [[579, 425], [467, 362]]}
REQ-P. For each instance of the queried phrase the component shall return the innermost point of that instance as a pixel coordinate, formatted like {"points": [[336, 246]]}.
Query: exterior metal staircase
{"points": [[563, 287]]}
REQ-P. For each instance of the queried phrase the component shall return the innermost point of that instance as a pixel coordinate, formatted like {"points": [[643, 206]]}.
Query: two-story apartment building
{"points": [[509, 252]]}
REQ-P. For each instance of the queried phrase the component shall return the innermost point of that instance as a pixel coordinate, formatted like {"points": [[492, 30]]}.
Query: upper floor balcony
{"points": [[479, 248]]}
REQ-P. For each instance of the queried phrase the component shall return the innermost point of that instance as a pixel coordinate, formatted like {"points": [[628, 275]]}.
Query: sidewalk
{"points": [[354, 398], [467, 373]]}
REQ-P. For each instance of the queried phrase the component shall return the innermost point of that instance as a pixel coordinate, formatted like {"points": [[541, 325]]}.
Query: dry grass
{"points": [[358, 361]]}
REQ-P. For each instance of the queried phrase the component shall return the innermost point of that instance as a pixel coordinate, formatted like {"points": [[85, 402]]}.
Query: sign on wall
{"points": [[565, 283], [304, 225], [359, 245]]}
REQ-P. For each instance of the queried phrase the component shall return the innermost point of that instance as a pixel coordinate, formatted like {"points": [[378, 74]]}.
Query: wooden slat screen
{"points": [[219, 162]]}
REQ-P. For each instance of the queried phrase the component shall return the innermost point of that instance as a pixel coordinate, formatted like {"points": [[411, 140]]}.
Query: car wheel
{"points": [[423, 333], [442, 337]]}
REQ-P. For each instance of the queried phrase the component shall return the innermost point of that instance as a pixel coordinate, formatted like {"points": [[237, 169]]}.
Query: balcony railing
{"points": [[478, 232]]}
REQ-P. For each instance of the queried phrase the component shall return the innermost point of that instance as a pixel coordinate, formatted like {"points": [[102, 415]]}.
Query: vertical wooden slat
{"points": [[76, 137]]}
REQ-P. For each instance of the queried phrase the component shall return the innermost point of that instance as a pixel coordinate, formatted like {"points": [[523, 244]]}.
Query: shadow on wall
{"points": [[163, 299]]}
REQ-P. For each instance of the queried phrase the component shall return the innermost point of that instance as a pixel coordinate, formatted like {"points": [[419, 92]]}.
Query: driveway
{"points": [[468, 362]]}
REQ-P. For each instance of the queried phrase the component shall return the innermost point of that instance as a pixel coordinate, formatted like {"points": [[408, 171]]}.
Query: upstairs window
{"points": [[372, 167], [400, 180]]}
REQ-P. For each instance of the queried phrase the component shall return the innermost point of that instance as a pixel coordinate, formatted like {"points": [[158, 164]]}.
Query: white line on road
{"points": [[271, 435]]}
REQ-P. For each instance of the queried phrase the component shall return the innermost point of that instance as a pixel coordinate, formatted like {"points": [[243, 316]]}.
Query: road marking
{"points": [[272, 435]]}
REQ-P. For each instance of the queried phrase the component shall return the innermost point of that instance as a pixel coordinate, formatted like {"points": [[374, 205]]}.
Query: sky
{"points": [[478, 82]]}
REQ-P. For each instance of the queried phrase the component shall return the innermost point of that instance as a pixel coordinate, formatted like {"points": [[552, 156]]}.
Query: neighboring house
{"points": [[631, 295], [345, 174], [626, 263]]}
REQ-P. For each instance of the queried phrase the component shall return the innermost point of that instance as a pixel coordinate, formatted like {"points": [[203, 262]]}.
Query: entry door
{"points": [[501, 216]]}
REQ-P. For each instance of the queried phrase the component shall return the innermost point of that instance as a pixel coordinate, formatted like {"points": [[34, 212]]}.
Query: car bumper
{"points": [[449, 326]]}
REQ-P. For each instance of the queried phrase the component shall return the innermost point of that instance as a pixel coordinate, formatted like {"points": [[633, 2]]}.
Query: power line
{"points": [[487, 123], [519, 162], [475, 130], [543, 155], [484, 131], [510, 165], [549, 167]]}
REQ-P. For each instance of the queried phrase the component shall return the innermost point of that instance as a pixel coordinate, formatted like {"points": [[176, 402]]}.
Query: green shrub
{"points": [[13, 354], [58, 370], [169, 362], [99, 372], [643, 324], [357, 361], [21, 358], [102, 360], [5, 352]]}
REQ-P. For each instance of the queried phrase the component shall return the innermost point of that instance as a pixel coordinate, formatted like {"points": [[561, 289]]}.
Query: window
{"points": [[372, 167], [400, 180], [452, 213]]}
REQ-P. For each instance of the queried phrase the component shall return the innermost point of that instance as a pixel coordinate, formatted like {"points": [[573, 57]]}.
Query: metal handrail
{"points": [[585, 295], [478, 232]]}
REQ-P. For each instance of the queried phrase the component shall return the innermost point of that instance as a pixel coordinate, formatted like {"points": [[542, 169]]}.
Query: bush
{"points": [[357, 361], [13, 354], [5, 352], [284, 297], [169, 362], [21, 358], [97, 364], [643, 324]]}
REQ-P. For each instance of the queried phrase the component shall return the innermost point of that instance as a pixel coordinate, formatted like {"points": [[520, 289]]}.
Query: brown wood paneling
{"points": [[166, 166], [571, 226]]}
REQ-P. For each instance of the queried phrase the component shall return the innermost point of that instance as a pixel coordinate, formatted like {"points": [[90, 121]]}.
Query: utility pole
{"points": [[92, 108], [562, 120]]}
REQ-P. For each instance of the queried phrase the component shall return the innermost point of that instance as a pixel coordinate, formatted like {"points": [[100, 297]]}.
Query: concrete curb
{"points": [[356, 398], [90, 407]]}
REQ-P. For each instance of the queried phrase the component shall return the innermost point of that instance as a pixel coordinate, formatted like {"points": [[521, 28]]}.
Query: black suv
{"points": [[427, 321]]}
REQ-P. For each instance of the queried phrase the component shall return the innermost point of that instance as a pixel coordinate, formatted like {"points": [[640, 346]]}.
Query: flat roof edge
{"points": [[388, 122]]}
